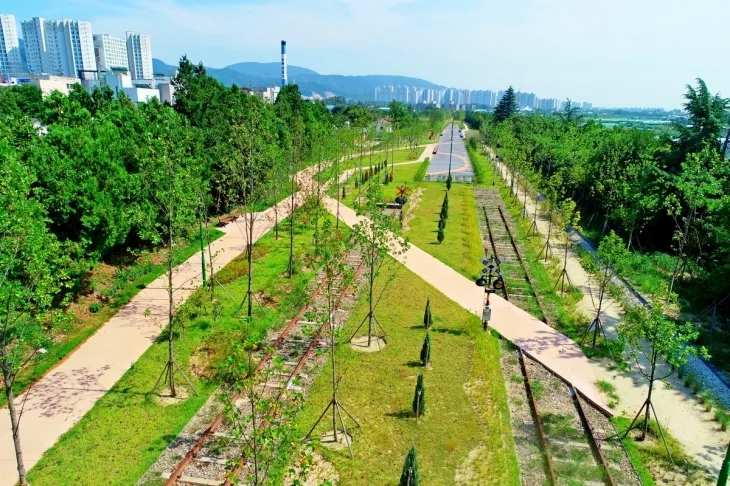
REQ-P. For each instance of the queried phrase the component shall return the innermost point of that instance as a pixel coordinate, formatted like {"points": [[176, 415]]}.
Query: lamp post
{"points": [[491, 279]]}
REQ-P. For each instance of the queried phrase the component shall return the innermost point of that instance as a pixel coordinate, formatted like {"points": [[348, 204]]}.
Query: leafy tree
{"points": [[426, 350], [377, 237], [427, 317], [654, 338], [29, 278], [506, 107], [419, 397], [611, 253], [409, 476]]}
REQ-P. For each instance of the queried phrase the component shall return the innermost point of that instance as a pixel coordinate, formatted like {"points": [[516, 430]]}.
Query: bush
{"points": [[426, 350], [427, 317], [440, 235], [419, 397], [94, 307], [723, 417], [422, 168], [409, 475]]}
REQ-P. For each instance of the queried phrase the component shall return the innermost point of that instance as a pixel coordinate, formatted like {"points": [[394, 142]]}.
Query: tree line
{"points": [[664, 191]]}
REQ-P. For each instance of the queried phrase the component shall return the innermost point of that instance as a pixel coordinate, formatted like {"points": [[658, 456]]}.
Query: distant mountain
{"points": [[261, 75]]}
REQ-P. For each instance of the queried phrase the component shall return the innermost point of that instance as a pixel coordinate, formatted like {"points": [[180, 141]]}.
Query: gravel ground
{"points": [[529, 455]]}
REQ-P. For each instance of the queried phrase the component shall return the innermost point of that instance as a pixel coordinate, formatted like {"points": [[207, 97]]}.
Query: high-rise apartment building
{"points": [[110, 52], [139, 55], [10, 61], [34, 35], [61, 47]]}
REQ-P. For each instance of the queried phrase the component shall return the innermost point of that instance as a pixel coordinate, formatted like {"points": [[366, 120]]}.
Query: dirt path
{"points": [[676, 407]]}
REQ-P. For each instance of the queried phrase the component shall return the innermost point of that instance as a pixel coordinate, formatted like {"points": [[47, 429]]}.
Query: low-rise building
{"points": [[49, 83], [140, 90]]}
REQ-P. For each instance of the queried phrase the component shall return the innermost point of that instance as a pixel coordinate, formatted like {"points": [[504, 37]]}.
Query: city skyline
{"points": [[616, 53]]}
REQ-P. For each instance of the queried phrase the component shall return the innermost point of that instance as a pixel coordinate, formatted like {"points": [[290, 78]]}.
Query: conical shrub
{"points": [[419, 397], [344, 194], [440, 236], [427, 318], [448, 183], [426, 350], [409, 476], [442, 223]]}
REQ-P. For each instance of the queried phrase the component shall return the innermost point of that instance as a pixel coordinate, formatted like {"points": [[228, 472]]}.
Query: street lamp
{"points": [[492, 280]]}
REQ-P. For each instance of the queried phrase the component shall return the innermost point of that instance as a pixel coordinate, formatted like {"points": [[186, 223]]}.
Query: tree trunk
{"points": [[170, 318], [648, 398], [14, 422], [250, 264], [371, 292]]}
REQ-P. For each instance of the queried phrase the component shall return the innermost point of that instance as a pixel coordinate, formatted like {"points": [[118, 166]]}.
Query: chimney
{"points": [[283, 63]]}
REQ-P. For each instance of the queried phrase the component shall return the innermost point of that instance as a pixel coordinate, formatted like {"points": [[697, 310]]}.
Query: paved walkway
{"points": [[460, 163], [545, 344], [64, 395], [676, 407]]}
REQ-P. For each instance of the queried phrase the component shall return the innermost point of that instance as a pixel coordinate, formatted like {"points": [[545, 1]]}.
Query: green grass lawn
{"points": [[127, 429], [128, 281], [462, 245], [466, 401]]}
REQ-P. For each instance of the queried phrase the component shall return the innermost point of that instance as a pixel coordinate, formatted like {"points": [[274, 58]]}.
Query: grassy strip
{"points": [[634, 454], [128, 428], [462, 246], [479, 164], [465, 431], [83, 328], [422, 168]]}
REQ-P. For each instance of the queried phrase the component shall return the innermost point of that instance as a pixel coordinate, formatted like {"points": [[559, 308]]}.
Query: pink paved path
{"points": [[554, 350], [62, 397]]}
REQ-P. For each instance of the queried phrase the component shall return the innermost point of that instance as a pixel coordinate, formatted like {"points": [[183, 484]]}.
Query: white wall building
{"points": [[68, 45], [139, 54], [139, 91], [10, 61], [34, 35], [110, 52]]}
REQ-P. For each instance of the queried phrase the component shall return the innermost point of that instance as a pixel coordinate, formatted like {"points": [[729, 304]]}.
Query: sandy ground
{"points": [[676, 407]]}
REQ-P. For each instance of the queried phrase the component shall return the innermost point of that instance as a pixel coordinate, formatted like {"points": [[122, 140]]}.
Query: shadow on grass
{"points": [[414, 364], [402, 414]]}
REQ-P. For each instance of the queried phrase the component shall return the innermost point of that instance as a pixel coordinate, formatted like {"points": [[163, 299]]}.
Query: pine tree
{"points": [[419, 397], [426, 350], [409, 476], [448, 183], [442, 222], [444, 211], [427, 318], [507, 106], [440, 235]]}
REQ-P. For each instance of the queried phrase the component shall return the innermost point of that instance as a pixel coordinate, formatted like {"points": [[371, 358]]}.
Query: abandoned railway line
{"points": [[561, 438]]}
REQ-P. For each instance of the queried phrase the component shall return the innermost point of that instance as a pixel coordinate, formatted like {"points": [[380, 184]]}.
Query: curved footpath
{"points": [[554, 350], [676, 407], [64, 395]]}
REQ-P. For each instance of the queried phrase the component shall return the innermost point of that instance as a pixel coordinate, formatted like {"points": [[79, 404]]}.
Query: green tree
{"points": [[724, 470], [654, 338], [427, 317], [426, 350], [707, 115], [409, 476], [29, 278], [611, 253], [419, 397], [440, 235], [506, 107]]}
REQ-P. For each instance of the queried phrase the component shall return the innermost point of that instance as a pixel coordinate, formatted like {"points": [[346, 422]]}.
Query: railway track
{"points": [[564, 425], [217, 456]]}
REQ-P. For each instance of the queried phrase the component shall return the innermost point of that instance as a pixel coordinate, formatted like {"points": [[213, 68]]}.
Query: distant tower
{"points": [[283, 63]]}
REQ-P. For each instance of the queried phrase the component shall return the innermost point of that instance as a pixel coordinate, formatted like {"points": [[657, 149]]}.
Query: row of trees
{"points": [[661, 191]]}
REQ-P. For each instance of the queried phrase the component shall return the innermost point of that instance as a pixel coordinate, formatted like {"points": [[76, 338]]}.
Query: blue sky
{"points": [[609, 52]]}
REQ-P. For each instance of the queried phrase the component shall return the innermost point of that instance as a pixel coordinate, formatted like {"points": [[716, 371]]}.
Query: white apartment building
{"points": [[139, 54], [64, 46], [34, 34], [10, 61], [110, 52]]}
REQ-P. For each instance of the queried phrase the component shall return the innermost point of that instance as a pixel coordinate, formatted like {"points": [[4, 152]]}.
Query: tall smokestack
{"points": [[283, 63]]}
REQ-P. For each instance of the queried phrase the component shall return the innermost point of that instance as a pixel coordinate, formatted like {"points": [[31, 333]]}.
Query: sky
{"points": [[613, 53]]}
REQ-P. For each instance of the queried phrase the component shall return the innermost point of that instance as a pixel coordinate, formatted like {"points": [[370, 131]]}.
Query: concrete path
{"points": [[545, 344], [62, 397], [676, 407]]}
